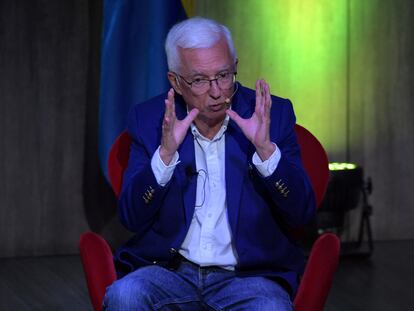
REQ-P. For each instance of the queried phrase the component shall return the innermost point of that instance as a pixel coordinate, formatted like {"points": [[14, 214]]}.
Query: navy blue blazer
{"points": [[260, 210]]}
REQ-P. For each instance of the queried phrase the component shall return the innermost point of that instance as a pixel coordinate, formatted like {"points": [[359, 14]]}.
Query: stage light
{"points": [[335, 166], [347, 190]]}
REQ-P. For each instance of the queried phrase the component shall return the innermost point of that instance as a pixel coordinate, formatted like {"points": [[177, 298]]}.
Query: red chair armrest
{"points": [[320, 269], [98, 266]]}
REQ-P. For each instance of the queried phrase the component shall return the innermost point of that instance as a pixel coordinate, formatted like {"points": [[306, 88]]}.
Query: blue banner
{"points": [[133, 61]]}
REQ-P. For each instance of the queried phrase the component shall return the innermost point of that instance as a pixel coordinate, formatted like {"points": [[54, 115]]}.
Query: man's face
{"points": [[206, 63]]}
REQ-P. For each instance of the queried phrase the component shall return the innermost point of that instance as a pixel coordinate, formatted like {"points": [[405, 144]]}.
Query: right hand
{"points": [[257, 127], [173, 130]]}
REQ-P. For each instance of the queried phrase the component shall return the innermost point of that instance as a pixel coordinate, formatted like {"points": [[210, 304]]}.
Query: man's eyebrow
{"points": [[197, 73]]}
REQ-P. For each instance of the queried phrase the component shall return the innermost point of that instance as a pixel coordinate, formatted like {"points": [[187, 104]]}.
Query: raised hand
{"points": [[173, 130], [256, 128]]}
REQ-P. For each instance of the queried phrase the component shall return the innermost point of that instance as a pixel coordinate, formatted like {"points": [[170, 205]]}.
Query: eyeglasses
{"points": [[199, 86]]}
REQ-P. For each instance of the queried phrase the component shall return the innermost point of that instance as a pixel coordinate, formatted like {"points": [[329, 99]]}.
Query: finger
{"points": [[170, 108], [260, 102], [258, 93], [169, 114], [235, 117], [259, 97], [190, 117], [167, 105], [265, 96], [267, 100], [171, 98], [166, 122]]}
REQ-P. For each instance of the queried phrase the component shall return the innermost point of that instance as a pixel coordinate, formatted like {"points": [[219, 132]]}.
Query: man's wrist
{"points": [[267, 167], [265, 151], [165, 156], [162, 172]]}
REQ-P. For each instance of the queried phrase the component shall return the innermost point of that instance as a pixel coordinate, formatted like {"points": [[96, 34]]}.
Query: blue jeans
{"points": [[193, 288]]}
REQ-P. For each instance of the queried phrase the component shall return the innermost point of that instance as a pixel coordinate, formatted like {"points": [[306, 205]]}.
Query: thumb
{"points": [[235, 117], [190, 117]]}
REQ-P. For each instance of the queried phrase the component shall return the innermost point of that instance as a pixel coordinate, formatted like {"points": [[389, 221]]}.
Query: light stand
{"points": [[345, 188]]}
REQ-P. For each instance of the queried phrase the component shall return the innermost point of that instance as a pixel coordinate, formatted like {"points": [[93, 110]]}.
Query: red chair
{"points": [[324, 256], [313, 291]]}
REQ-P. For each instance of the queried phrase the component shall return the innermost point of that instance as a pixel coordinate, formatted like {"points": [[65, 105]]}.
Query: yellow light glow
{"points": [[336, 166]]}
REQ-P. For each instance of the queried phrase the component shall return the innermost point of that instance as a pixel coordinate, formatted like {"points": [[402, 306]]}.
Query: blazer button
{"points": [[173, 251]]}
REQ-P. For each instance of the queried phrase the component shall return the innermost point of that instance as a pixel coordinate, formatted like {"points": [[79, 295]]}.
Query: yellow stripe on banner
{"points": [[189, 7]]}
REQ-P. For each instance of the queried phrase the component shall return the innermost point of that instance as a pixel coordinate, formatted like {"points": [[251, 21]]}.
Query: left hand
{"points": [[256, 128]]}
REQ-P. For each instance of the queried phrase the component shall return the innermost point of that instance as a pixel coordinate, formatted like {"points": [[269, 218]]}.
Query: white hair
{"points": [[195, 33]]}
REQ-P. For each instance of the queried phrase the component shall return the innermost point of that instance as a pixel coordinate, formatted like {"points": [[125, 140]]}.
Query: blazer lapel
{"points": [[187, 163], [236, 165]]}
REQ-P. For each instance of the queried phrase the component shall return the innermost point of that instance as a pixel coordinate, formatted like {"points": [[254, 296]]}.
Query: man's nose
{"points": [[214, 90]]}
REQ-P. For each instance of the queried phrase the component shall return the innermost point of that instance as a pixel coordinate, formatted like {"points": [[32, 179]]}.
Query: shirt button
{"points": [[209, 215]]}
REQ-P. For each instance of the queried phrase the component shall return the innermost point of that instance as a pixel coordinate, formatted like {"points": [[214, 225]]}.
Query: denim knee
{"points": [[269, 304], [128, 294]]}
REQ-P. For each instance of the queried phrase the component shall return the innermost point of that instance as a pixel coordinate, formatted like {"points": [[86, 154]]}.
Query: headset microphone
{"points": [[228, 99]]}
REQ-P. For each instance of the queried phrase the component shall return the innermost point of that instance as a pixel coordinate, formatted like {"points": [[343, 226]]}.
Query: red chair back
{"points": [[118, 161], [314, 160]]}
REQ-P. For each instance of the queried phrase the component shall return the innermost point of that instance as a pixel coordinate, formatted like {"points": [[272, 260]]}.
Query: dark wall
{"points": [[382, 111], [49, 60]]}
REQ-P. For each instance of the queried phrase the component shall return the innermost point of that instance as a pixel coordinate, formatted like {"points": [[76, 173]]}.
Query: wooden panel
{"points": [[382, 110], [43, 61]]}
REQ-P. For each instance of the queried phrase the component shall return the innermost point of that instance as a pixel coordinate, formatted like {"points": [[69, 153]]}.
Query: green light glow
{"points": [[300, 47], [335, 166]]}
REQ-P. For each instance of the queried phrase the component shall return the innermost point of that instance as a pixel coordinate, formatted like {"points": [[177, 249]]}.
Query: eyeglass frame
{"points": [[234, 73]]}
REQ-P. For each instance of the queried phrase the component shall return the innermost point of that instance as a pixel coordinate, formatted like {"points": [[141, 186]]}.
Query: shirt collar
{"points": [[220, 133]]}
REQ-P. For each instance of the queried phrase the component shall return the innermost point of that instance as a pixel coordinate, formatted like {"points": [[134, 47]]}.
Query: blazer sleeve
{"points": [[141, 195], [289, 186]]}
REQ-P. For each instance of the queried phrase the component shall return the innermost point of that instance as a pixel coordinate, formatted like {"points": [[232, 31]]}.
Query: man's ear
{"points": [[175, 83]]}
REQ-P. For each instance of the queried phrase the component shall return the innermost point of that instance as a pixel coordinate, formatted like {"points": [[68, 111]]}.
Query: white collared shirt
{"points": [[209, 239]]}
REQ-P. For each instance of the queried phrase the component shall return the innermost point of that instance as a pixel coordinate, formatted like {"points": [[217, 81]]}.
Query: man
{"points": [[211, 188]]}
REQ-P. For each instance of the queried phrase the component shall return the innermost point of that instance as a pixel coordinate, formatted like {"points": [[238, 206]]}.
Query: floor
{"points": [[382, 282]]}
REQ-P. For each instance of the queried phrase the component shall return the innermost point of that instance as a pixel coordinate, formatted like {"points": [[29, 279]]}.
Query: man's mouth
{"points": [[217, 106]]}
